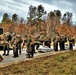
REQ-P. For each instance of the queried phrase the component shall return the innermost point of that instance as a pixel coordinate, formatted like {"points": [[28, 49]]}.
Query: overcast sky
{"points": [[21, 7]]}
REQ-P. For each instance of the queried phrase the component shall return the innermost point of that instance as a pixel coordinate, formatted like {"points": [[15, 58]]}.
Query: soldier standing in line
{"points": [[71, 40], [62, 42], [15, 49], [19, 39], [14, 43], [47, 42], [32, 48], [55, 43], [28, 41], [7, 40], [9, 37], [37, 39]]}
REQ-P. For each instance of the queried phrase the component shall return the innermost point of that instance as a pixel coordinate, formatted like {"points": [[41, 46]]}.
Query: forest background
{"points": [[40, 22]]}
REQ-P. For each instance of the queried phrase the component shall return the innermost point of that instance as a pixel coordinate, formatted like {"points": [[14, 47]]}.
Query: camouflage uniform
{"points": [[47, 42], [19, 45], [32, 50], [55, 43], [71, 41], [15, 46], [62, 41], [28, 41], [6, 46]]}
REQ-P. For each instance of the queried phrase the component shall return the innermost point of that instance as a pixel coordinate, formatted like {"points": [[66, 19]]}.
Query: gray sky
{"points": [[21, 7]]}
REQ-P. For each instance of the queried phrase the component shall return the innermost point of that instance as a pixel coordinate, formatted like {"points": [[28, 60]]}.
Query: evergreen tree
{"points": [[6, 18], [14, 18]]}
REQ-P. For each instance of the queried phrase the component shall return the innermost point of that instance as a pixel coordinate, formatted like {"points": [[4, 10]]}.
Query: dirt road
{"points": [[8, 60]]}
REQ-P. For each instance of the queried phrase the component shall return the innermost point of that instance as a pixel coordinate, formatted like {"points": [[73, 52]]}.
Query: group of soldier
{"points": [[15, 41], [11, 40], [61, 40], [31, 42]]}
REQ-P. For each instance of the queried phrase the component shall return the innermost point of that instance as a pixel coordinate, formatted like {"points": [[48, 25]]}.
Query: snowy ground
{"points": [[8, 60]]}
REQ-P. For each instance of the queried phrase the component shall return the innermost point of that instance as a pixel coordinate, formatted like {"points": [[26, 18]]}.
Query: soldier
{"points": [[55, 43], [48, 41], [32, 49], [14, 43], [15, 49], [9, 37], [62, 42], [7, 40], [28, 41], [37, 44], [71, 41], [19, 44]]}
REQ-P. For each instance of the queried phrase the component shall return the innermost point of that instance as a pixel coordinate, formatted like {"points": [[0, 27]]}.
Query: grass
{"points": [[59, 64]]}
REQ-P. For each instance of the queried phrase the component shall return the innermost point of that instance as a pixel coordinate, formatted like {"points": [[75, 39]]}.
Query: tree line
{"points": [[39, 21]]}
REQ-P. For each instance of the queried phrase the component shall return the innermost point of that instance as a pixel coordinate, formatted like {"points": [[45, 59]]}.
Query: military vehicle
{"points": [[1, 41]]}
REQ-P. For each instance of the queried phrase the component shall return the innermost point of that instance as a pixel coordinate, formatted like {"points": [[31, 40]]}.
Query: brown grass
{"points": [[59, 64]]}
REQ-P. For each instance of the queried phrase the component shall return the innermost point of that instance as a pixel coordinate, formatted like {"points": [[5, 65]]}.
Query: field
{"points": [[58, 64]]}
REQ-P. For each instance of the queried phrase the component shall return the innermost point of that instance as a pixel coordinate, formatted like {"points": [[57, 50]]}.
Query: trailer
{"points": [[1, 45]]}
